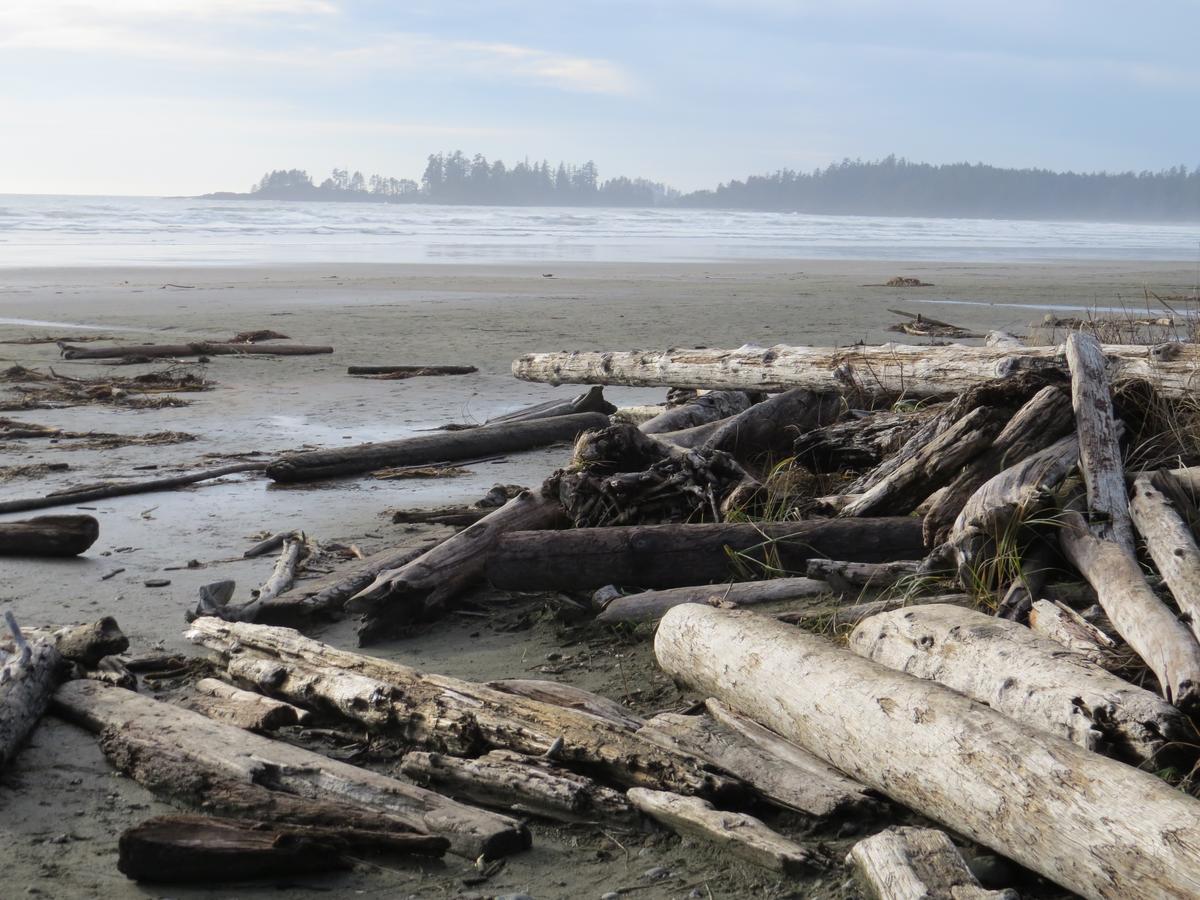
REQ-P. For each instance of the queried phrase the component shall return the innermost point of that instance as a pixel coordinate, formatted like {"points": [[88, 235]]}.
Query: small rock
{"points": [[156, 582], [657, 873], [611, 895]]}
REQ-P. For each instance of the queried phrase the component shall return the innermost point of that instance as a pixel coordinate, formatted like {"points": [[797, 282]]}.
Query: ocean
{"points": [[115, 231]]}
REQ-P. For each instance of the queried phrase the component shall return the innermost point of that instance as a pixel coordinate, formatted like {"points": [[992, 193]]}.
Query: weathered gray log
{"points": [[1032, 797], [1100, 459], [454, 516], [48, 536], [700, 410], [411, 371], [245, 709], [842, 576], [884, 371], [1171, 545], [840, 616], [933, 465], [767, 431], [903, 863], [796, 780], [121, 489], [196, 348], [28, 677], [523, 784], [90, 643], [284, 573], [1029, 678], [425, 584], [571, 697], [1163, 642], [274, 542], [427, 448], [1061, 624], [442, 713], [859, 443], [649, 606], [741, 835], [591, 401], [148, 740], [1035, 426], [663, 556]]}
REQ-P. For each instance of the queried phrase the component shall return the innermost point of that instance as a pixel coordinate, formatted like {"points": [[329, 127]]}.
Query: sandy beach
{"points": [[418, 314]]}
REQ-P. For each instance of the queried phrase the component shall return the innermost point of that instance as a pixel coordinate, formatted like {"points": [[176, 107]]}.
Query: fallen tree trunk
{"points": [[1061, 624], [903, 863], [48, 536], [149, 740], [741, 835], [411, 371], [404, 594], [442, 713], [649, 606], [700, 410], [847, 577], [426, 448], [766, 432], [102, 492], [245, 709], [663, 556], [1171, 545], [571, 697], [523, 784], [28, 678], [1163, 642], [1100, 459], [196, 348], [590, 402], [857, 444], [1034, 798], [284, 573], [884, 371], [1026, 677]]}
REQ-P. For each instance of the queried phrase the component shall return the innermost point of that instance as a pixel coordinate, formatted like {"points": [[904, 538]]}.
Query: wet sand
{"points": [[478, 315]]}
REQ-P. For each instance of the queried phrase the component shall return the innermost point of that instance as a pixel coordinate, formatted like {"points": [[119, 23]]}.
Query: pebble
{"points": [[658, 872]]}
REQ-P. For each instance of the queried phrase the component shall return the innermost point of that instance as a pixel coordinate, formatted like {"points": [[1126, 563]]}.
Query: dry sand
{"points": [[64, 808]]}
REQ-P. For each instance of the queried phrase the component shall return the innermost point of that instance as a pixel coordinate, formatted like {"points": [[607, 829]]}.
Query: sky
{"points": [[187, 96]]}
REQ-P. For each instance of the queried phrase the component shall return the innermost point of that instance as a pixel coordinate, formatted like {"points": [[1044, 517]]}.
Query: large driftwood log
{"points": [[649, 606], [1163, 642], [48, 536], [698, 411], [1100, 458], [148, 740], [796, 780], [427, 448], [28, 678], [1030, 796], [916, 864], [1036, 425], [591, 400], [523, 784], [767, 431], [1028, 678], [443, 713], [196, 348], [663, 556], [932, 466], [742, 835], [1171, 544], [883, 371], [408, 592]]}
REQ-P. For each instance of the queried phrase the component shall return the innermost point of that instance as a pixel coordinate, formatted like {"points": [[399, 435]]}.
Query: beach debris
{"points": [[403, 372], [916, 862], [48, 536], [33, 470], [43, 390], [195, 348], [245, 709], [923, 326], [906, 281], [649, 606], [254, 337], [591, 400]]}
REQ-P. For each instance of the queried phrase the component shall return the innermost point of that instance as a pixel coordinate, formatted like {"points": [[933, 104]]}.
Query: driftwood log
{"points": [[767, 431], [1034, 798], [591, 401], [411, 371], [1028, 678], [915, 864], [663, 556], [245, 709], [196, 348], [649, 606], [884, 371], [83, 644], [183, 753], [442, 713], [428, 448], [700, 410], [1171, 545], [846, 577], [571, 697], [48, 536], [1055, 620], [28, 678], [859, 443]]}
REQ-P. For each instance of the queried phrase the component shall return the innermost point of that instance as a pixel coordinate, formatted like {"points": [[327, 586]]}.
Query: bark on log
{"points": [[798, 781], [930, 467], [700, 410], [87, 494], [196, 348], [663, 556], [916, 864], [883, 371], [28, 678], [404, 594], [1163, 642], [443, 713], [1028, 678], [571, 697], [649, 606], [1100, 458], [591, 401], [741, 835], [143, 736], [1036, 425], [427, 448], [1061, 624], [1171, 545], [53, 536], [1032, 797], [245, 709], [523, 784]]}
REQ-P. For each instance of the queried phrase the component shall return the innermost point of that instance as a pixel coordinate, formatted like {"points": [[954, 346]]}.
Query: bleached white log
{"points": [[284, 573], [1093, 825], [1061, 624], [1171, 545], [905, 863], [245, 709], [28, 677]]}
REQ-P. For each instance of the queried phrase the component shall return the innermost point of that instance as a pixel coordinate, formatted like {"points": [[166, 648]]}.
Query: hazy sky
{"points": [[185, 96]]}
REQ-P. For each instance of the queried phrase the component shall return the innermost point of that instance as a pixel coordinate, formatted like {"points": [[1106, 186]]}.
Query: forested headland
{"points": [[887, 187]]}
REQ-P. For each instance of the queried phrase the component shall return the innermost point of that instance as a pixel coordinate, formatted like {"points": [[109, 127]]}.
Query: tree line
{"points": [[885, 187]]}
